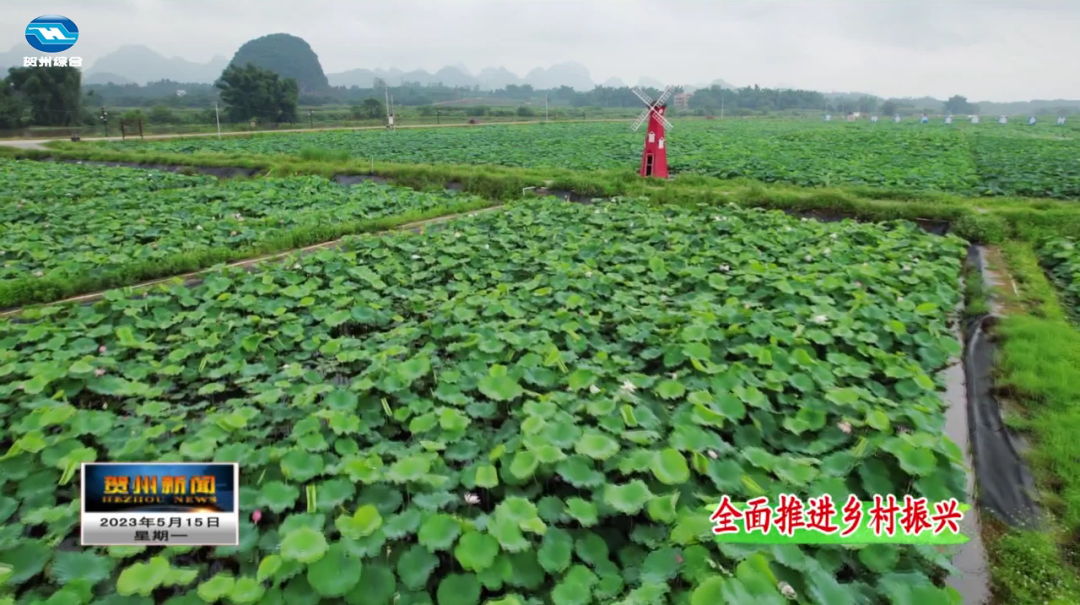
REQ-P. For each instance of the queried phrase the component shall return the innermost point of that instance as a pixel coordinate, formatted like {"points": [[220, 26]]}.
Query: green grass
{"points": [[1038, 359]]}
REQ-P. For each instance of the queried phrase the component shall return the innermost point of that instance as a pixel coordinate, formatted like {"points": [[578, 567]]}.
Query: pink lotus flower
{"points": [[256, 515], [102, 349], [99, 372]]}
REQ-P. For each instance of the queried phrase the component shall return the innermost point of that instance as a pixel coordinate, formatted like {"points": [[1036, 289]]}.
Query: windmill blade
{"points": [[641, 95], [641, 120], [660, 118], [663, 97]]}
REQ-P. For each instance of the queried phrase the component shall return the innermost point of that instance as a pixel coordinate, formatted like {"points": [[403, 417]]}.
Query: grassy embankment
{"points": [[1038, 356]]}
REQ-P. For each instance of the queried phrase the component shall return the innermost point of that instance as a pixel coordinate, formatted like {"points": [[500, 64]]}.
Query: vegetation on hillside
{"points": [[286, 55]]}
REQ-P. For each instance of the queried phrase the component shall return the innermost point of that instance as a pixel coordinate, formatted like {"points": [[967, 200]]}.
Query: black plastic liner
{"points": [[1005, 484]]}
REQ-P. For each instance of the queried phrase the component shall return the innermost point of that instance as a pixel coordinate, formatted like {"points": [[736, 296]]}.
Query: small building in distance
{"points": [[682, 100]]}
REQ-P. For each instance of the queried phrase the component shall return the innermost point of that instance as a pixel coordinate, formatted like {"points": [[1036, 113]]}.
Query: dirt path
{"points": [[40, 143], [190, 278]]}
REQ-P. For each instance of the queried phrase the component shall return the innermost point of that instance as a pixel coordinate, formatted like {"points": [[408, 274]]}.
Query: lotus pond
{"points": [[540, 404], [966, 159], [29, 181], [48, 242]]}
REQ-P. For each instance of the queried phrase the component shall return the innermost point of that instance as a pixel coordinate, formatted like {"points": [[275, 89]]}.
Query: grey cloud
{"points": [[1002, 50]]}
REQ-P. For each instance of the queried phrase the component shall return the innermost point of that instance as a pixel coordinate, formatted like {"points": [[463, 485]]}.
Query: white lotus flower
{"points": [[457, 234], [787, 229], [834, 235], [906, 267], [594, 389], [725, 267], [471, 498], [198, 227], [845, 427], [588, 274], [821, 319], [296, 266], [663, 297], [39, 273], [787, 590], [809, 258], [900, 299], [674, 375], [713, 454], [628, 386], [828, 251], [416, 257], [487, 246]]}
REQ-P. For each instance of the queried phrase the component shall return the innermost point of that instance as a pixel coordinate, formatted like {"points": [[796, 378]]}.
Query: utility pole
{"points": [[311, 118], [217, 118]]}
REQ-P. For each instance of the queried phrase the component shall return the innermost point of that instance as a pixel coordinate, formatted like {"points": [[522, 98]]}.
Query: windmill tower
{"points": [[654, 158]]}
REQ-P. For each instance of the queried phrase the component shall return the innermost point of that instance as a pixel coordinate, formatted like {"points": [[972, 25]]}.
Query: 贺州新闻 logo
{"points": [[52, 33]]}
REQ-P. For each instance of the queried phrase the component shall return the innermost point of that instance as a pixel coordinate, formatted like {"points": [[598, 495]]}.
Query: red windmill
{"points": [[654, 158]]}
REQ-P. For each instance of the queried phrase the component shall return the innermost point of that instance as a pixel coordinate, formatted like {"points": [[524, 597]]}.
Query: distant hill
{"points": [[494, 78], [286, 55], [490, 78], [647, 82], [11, 58], [573, 75], [614, 83], [139, 64], [104, 77]]}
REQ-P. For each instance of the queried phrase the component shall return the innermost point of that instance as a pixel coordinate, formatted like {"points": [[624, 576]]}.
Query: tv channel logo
{"points": [[52, 33]]}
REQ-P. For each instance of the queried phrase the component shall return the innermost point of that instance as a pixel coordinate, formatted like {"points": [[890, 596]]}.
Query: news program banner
{"points": [[158, 504]]}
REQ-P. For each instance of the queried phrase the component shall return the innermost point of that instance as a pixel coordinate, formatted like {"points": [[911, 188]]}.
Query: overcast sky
{"points": [[988, 50]]}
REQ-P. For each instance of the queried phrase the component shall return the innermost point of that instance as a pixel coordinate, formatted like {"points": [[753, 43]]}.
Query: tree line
{"points": [[55, 96]]}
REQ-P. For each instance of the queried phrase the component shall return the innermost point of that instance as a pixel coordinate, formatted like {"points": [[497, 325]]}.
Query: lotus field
{"points": [[965, 159], [539, 404], [110, 222], [1061, 257]]}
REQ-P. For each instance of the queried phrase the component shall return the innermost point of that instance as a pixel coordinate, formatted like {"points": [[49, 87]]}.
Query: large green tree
{"points": [[253, 93], [960, 104], [52, 94]]}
